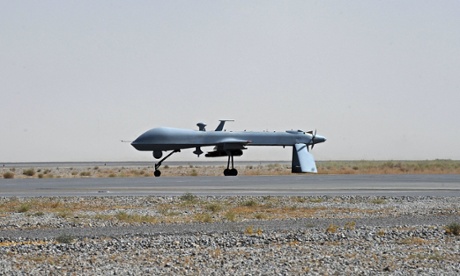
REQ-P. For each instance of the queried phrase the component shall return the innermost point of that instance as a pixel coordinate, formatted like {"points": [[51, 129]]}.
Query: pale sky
{"points": [[379, 79]]}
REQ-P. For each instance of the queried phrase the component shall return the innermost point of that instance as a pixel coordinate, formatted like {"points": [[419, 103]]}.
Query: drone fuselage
{"points": [[228, 143]]}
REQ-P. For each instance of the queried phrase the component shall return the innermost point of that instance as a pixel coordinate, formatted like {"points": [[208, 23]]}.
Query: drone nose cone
{"points": [[136, 144], [142, 142]]}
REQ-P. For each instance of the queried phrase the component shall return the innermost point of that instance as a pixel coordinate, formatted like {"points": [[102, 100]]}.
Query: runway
{"points": [[296, 185]]}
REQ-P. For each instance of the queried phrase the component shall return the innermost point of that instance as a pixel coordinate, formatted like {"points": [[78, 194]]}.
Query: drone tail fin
{"points": [[302, 160]]}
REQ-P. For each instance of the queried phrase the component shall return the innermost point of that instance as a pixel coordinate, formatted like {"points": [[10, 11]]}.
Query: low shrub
{"points": [[214, 207], [332, 228], [230, 216], [260, 216], [203, 218], [251, 231], [8, 175], [351, 225], [378, 201], [64, 214], [453, 229], [188, 197], [250, 203], [24, 208], [135, 218], [65, 238], [412, 241], [28, 172], [194, 173]]}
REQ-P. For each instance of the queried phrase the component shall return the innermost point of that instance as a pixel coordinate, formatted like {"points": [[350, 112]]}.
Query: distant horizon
{"points": [[213, 161]]}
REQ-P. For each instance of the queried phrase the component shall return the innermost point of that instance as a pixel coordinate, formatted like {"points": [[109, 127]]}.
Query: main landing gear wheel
{"points": [[232, 171], [157, 173]]}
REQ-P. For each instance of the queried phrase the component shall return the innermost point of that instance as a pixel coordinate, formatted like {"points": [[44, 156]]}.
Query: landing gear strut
{"points": [[232, 171], [157, 172]]}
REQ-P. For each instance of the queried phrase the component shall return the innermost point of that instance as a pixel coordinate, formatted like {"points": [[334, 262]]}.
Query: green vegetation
{"points": [[250, 231], [214, 207], [422, 256], [85, 174], [28, 172], [64, 214], [230, 216], [8, 175], [260, 216], [299, 199], [351, 225], [378, 201], [189, 198], [135, 218], [203, 218], [25, 207], [250, 203], [332, 228], [412, 241], [194, 173], [453, 229], [65, 239], [316, 200]]}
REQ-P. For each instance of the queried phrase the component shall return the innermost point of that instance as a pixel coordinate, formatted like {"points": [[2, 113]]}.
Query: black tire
{"points": [[233, 172], [157, 173], [227, 172]]}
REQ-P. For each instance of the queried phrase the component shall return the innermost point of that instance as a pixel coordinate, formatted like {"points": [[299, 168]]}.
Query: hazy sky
{"points": [[379, 79]]}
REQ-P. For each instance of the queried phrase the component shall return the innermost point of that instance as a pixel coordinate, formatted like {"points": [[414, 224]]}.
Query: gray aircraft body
{"points": [[228, 143]]}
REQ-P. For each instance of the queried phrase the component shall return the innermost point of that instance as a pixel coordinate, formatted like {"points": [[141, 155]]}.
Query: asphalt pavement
{"points": [[301, 185]]}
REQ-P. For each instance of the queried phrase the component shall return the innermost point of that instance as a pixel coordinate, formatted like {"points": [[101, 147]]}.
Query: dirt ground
{"points": [[324, 167]]}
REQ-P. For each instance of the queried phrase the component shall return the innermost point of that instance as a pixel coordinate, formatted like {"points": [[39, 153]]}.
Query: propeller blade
{"points": [[312, 142]]}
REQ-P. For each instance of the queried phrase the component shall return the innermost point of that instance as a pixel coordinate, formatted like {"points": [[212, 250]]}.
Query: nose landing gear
{"points": [[157, 172]]}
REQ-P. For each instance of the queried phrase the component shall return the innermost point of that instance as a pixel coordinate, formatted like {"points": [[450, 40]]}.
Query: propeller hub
{"points": [[315, 139]]}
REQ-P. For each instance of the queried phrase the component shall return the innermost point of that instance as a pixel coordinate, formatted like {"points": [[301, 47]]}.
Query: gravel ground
{"points": [[328, 236]]}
